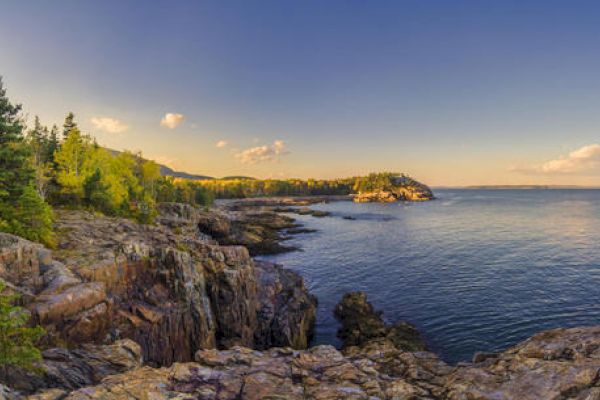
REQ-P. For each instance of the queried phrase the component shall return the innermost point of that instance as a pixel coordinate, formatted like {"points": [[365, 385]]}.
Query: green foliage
{"points": [[17, 340], [41, 146], [15, 171], [69, 125], [241, 188], [184, 191], [69, 160], [33, 218], [22, 171]]}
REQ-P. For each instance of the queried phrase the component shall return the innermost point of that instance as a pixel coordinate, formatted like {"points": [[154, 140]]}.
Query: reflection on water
{"points": [[474, 270]]}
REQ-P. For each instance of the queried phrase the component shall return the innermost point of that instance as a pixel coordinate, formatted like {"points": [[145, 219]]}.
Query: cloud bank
{"points": [[264, 153], [172, 120], [221, 143], [110, 125], [584, 159]]}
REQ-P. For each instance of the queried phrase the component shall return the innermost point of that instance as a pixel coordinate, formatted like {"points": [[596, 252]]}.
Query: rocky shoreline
{"points": [[182, 310]]}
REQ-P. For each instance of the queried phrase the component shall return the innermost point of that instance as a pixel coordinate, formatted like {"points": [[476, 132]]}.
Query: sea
{"points": [[473, 270]]}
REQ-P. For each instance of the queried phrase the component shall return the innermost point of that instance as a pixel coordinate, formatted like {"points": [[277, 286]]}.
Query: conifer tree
{"points": [[53, 145], [15, 171], [22, 211], [17, 340], [69, 125], [38, 141]]}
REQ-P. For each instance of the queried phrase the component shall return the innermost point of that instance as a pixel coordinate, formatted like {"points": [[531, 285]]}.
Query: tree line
{"points": [[235, 188]]}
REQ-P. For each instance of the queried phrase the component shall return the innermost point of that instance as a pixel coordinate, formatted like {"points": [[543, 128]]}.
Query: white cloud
{"points": [[172, 120], [110, 125], [584, 159], [262, 153], [221, 143]]}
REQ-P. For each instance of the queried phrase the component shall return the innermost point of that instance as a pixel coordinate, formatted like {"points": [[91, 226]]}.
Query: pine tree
{"points": [[53, 145], [15, 171], [17, 340], [38, 141], [69, 125], [33, 218], [22, 211]]}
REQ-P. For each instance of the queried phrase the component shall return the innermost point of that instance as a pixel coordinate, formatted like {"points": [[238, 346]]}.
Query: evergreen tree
{"points": [[15, 171], [17, 341], [96, 194], [69, 125], [22, 211], [33, 218], [37, 139], [52, 145]]}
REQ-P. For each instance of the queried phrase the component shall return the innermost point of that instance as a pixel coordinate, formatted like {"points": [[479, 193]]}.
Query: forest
{"points": [[232, 188]]}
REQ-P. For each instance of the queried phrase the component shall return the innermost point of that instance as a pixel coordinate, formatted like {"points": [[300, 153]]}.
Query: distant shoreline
{"points": [[520, 187]]}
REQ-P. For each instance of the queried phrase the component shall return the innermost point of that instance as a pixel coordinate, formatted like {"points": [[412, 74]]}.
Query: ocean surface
{"points": [[474, 270]]}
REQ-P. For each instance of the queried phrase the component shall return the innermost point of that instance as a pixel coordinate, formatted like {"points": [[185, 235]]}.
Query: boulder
{"points": [[361, 324]]}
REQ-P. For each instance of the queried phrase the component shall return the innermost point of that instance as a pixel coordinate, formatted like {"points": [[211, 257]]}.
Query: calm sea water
{"points": [[475, 270]]}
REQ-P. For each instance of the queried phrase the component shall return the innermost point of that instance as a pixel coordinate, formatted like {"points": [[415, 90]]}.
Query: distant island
{"points": [[389, 187]]}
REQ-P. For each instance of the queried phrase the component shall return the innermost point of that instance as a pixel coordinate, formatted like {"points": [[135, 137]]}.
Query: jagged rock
{"points": [[362, 324], [20, 262], [171, 290], [559, 364], [280, 373], [552, 365], [259, 231], [71, 369], [287, 312]]}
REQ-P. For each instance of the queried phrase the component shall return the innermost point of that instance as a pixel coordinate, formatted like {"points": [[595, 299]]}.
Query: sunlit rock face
{"points": [[554, 365], [167, 287]]}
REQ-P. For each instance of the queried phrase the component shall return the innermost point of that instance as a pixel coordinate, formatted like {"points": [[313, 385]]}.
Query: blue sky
{"points": [[452, 92]]}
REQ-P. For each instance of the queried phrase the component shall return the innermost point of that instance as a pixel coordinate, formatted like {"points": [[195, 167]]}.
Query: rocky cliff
{"points": [[167, 287]]}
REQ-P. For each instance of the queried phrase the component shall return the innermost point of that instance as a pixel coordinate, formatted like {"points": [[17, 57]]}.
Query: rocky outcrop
{"points": [[240, 373], [287, 314], [72, 369], [560, 364], [410, 190], [361, 324], [261, 232], [168, 287], [552, 365]]}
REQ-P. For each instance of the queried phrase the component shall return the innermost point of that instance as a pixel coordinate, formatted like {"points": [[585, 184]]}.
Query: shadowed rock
{"points": [[361, 324]]}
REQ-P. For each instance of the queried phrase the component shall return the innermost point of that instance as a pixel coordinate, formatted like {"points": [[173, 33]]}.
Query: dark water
{"points": [[475, 270]]}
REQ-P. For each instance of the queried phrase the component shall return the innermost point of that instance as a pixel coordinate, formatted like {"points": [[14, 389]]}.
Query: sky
{"points": [[450, 92]]}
